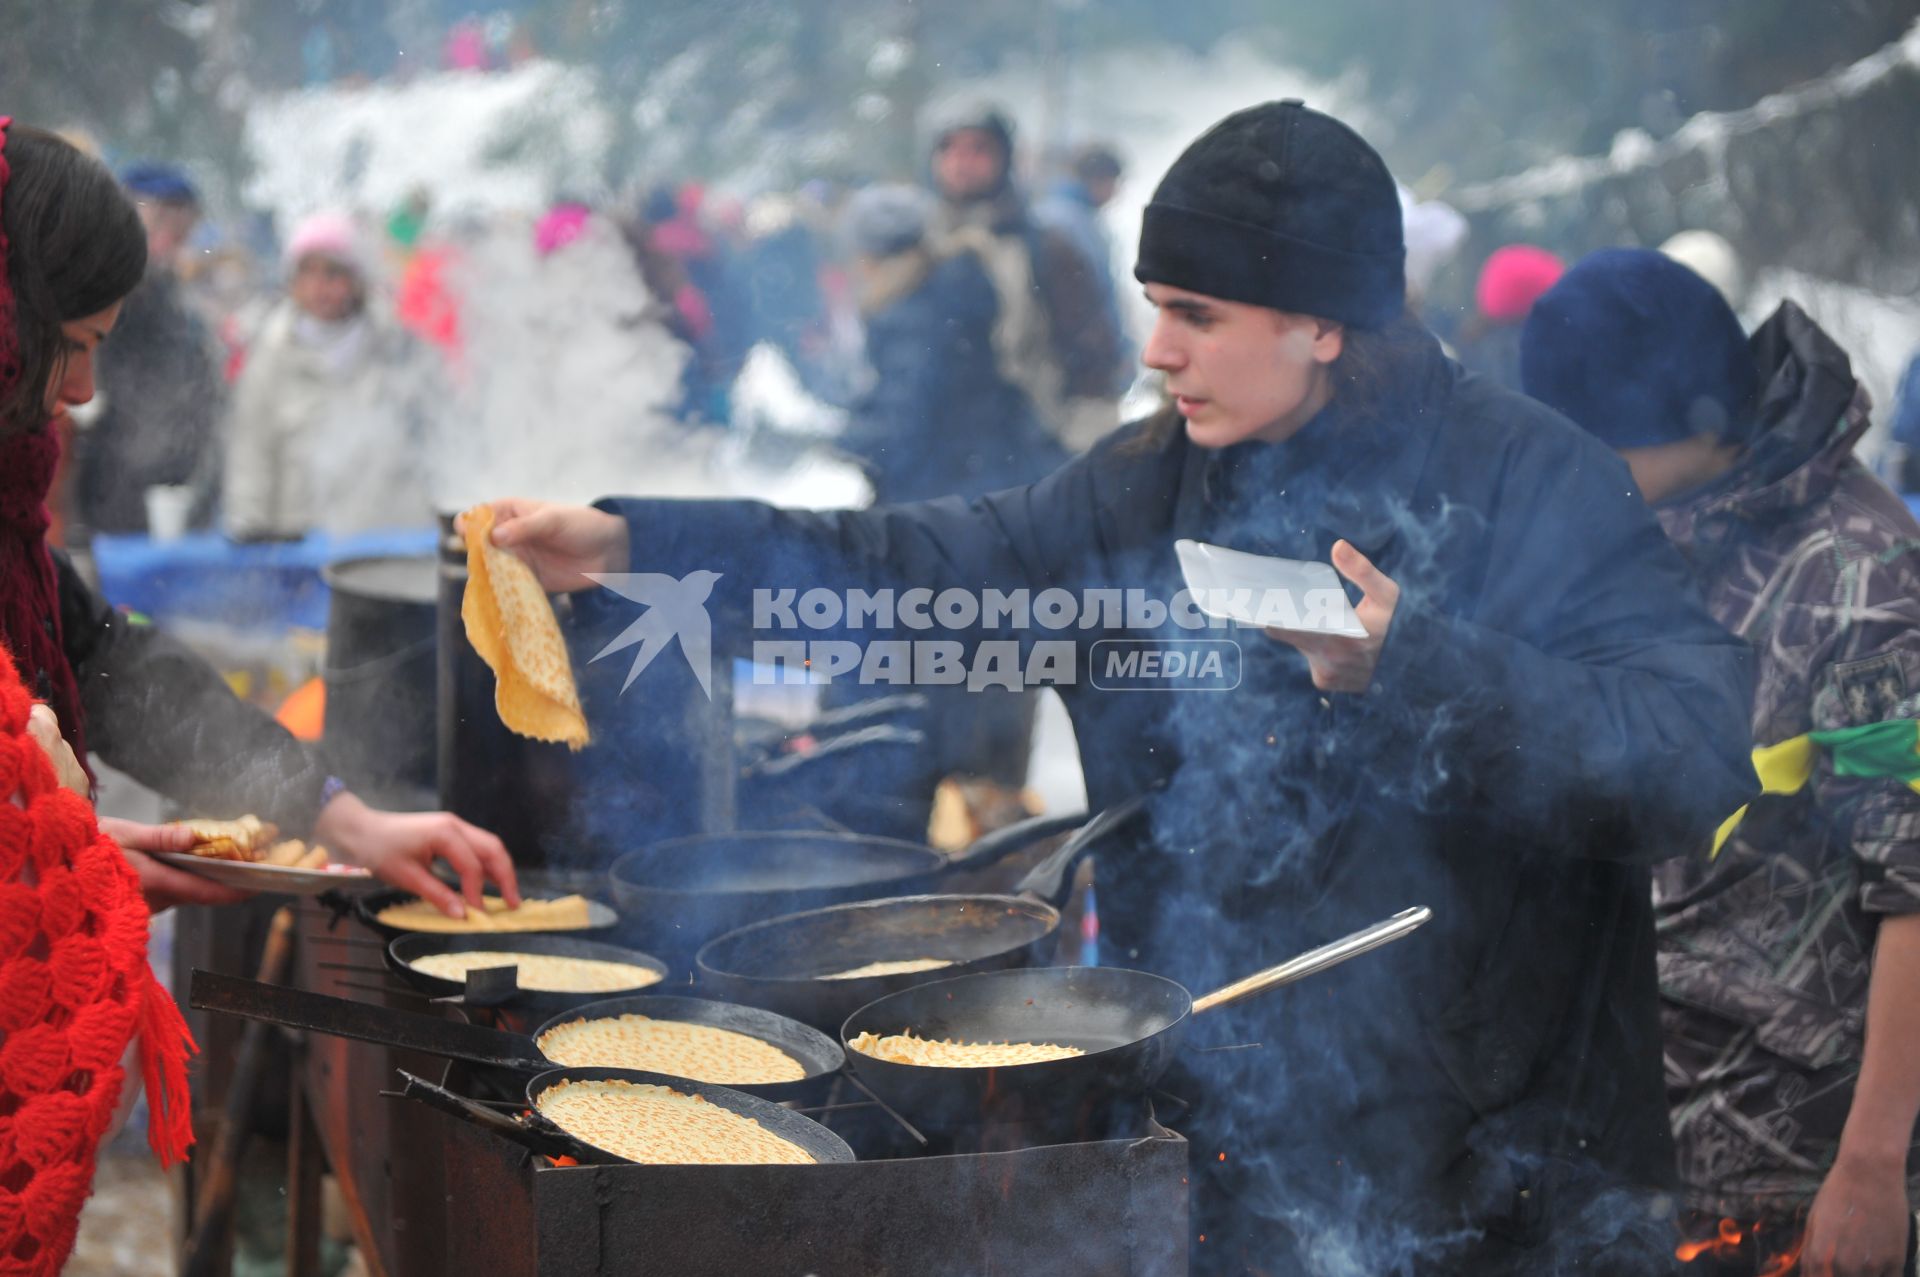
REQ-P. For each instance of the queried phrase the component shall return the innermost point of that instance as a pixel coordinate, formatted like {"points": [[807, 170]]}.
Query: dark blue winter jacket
{"points": [[1552, 711], [940, 420]]}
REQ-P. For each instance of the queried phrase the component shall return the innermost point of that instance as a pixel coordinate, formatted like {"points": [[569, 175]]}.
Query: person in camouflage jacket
{"points": [[1789, 957]]}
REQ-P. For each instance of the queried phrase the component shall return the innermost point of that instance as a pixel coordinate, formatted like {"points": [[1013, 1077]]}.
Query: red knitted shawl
{"points": [[75, 987]]}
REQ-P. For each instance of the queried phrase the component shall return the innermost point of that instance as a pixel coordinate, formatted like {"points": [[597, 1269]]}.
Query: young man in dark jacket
{"points": [[1790, 958], [1539, 709]]}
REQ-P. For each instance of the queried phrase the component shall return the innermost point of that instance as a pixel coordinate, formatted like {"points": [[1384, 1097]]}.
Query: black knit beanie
{"points": [[1280, 206]]}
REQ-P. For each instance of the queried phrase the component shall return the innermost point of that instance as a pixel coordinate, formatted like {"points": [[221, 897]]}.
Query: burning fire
{"points": [[1728, 1238]]}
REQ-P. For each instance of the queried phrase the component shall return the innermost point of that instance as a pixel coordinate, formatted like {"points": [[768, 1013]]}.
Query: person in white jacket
{"points": [[326, 432]]}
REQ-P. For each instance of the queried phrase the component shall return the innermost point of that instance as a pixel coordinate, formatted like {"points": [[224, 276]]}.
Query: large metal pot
{"points": [[380, 676]]}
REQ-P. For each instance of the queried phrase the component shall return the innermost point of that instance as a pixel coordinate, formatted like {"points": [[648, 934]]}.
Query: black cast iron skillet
{"points": [[819, 1055], [781, 963], [679, 894], [498, 987], [1129, 1023], [543, 1135]]}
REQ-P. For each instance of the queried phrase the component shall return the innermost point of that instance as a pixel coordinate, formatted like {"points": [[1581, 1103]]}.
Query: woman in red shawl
{"points": [[73, 249]]}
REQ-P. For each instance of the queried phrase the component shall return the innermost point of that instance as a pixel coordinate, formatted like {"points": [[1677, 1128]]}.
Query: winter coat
{"points": [[160, 397], [1552, 711], [322, 444], [165, 717], [1070, 210], [1057, 340], [1765, 949], [940, 419]]}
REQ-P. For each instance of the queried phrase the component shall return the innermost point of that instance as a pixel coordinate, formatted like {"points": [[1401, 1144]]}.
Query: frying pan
{"points": [[543, 1135], [679, 894], [781, 963], [1129, 1023], [819, 1055], [498, 987], [366, 907]]}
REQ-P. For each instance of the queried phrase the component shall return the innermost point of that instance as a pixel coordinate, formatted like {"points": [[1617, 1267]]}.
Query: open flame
{"points": [[1728, 1239]]}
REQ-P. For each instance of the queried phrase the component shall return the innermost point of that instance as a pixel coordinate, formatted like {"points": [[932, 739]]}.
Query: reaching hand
{"points": [[561, 543], [400, 848], [1339, 663], [44, 726]]}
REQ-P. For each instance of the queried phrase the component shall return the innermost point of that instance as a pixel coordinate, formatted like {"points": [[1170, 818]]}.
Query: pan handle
{"points": [[1052, 879], [1316, 960], [439, 1097], [344, 1018], [997, 846]]}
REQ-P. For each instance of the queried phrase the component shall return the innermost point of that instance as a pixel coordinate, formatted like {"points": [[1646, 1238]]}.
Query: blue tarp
{"points": [[263, 586]]}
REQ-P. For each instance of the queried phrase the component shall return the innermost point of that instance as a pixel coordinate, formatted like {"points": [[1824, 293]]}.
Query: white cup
{"points": [[168, 507]]}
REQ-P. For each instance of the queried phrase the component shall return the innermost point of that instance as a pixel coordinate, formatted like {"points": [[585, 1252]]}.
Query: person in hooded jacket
{"points": [[1540, 708], [157, 421], [1512, 278], [939, 419], [1056, 338], [1790, 957], [327, 428]]}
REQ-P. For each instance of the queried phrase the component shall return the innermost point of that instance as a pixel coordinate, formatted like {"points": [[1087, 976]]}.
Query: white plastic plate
{"points": [[1255, 589]]}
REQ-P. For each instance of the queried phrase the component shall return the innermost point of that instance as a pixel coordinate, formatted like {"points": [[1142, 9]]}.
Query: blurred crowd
{"points": [[274, 382], [965, 333]]}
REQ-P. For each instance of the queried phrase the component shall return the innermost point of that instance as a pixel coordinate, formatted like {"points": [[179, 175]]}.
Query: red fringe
{"points": [[165, 1044]]}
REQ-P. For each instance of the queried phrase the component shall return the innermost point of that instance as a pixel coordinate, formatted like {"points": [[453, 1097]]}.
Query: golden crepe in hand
{"points": [[658, 1126], [510, 622], [568, 913], [905, 1048], [674, 1047]]}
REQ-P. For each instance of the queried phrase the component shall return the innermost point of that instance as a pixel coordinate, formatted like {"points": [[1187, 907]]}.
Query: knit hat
{"points": [[886, 219], [330, 235], [161, 182], [1513, 279], [1280, 206], [1639, 351]]}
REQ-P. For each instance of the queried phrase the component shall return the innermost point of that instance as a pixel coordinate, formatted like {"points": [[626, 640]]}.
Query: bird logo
{"points": [[675, 608]]}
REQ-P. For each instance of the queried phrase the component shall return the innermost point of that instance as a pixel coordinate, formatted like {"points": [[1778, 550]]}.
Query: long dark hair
{"points": [[75, 246], [1378, 371]]}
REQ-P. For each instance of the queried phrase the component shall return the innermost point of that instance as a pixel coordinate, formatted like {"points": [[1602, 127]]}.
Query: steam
{"points": [[566, 382]]}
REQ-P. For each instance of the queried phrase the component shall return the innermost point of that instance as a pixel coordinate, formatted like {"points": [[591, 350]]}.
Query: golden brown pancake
{"points": [[902, 966], [662, 1127], [568, 913], [905, 1048], [541, 972], [510, 622], [697, 1051]]}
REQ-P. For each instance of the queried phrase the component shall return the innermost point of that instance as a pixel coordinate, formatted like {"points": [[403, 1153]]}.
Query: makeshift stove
{"points": [[982, 1201], [429, 1192]]}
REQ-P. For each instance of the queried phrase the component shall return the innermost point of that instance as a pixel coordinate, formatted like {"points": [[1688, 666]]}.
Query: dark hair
{"points": [[75, 246], [1375, 375]]}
